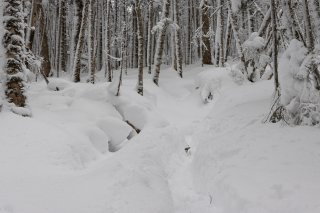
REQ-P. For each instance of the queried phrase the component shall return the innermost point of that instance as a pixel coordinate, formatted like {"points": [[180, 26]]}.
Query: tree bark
{"points": [[150, 24], [275, 44], [38, 15], [178, 39], [161, 39], [235, 30], [316, 4], [108, 71], [206, 49], [140, 47], [63, 36], [92, 41], [14, 43], [77, 59], [307, 20]]}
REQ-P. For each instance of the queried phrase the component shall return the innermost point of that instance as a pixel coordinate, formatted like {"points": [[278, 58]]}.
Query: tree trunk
{"points": [[206, 49], [108, 71], [38, 15], [265, 23], [275, 44], [307, 20], [161, 39], [140, 47], [316, 4], [219, 44], [63, 36], [15, 52], [189, 35], [149, 48], [123, 51], [92, 41], [228, 39], [78, 54], [178, 39], [235, 30], [275, 114]]}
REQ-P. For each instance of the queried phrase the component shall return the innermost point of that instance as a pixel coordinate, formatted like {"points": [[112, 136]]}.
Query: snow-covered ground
{"points": [[78, 155]]}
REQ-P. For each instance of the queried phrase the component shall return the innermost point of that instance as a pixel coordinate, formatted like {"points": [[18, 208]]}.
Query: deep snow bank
{"points": [[247, 166], [59, 160]]}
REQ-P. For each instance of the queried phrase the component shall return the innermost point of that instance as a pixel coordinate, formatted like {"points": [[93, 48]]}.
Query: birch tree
{"points": [[140, 47], [162, 28], [219, 41], [80, 44], [150, 24]]}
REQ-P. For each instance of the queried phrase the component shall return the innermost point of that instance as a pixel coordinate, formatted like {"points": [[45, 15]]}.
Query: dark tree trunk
{"points": [[140, 47], [206, 50], [13, 41]]}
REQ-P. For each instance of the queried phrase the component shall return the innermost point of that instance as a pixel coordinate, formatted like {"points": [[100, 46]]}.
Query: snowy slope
{"points": [[249, 166], [74, 155]]}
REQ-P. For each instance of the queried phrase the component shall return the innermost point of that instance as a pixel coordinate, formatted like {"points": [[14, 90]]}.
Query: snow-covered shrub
{"points": [[308, 114], [57, 84], [208, 84], [255, 56], [298, 75], [237, 76]]}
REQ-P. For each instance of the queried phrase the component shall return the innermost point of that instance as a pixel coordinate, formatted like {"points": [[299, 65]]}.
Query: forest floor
{"points": [[59, 160]]}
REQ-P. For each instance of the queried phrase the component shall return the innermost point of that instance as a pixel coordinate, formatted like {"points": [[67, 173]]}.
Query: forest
{"points": [[125, 106]]}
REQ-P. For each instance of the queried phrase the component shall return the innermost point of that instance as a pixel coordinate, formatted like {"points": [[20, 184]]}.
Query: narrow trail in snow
{"points": [[186, 199], [185, 112]]}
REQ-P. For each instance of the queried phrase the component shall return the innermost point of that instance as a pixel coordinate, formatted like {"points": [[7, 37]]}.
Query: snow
{"points": [[117, 130], [236, 5], [78, 154], [248, 166], [256, 56], [289, 65], [299, 93]]}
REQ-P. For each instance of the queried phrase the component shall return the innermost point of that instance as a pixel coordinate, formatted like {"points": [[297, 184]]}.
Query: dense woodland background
{"points": [[78, 38]]}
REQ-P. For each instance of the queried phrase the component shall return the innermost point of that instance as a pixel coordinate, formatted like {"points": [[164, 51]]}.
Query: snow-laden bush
{"points": [[210, 83], [300, 94], [255, 56], [237, 76], [57, 84]]}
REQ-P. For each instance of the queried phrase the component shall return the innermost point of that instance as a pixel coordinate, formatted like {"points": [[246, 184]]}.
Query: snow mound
{"points": [[57, 84], [136, 114], [138, 110], [210, 83], [98, 138], [117, 130], [246, 166]]}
